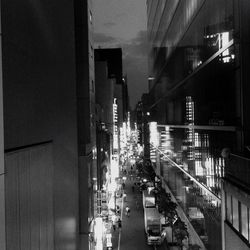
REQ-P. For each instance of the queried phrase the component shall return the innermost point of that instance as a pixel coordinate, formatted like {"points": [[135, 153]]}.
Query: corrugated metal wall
{"points": [[29, 198]]}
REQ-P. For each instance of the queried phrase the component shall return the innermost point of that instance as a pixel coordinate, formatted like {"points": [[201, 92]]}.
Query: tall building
{"points": [[113, 57], [111, 99], [47, 177], [86, 120], [104, 89], [142, 119], [198, 68]]}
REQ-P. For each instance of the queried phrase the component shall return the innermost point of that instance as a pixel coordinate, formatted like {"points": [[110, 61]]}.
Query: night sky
{"points": [[122, 23]]}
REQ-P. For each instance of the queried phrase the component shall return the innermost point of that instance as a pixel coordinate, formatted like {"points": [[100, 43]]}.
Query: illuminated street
{"points": [[132, 235]]}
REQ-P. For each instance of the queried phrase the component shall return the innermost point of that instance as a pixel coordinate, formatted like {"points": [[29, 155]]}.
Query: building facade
{"points": [[199, 88], [113, 57], [86, 119], [49, 163], [104, 106]]}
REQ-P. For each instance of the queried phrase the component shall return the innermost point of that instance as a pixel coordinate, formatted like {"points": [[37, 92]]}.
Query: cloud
{"points": [[135, 65], [121, 13], [109, 24], [136, 51], [141, 37], [138, 46], [103, 38], [135, 61]]}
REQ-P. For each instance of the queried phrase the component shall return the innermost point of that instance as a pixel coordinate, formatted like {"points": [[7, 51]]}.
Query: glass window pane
{"points": [[244, 221], [235, 214], [248, 224], [228, 208]]}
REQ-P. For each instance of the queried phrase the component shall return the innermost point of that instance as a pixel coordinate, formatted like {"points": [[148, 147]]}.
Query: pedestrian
{"points": [[133, 189], [118, 209], [125, 196], [127, 211], [123, 185], [119, 224], [114, 226]]}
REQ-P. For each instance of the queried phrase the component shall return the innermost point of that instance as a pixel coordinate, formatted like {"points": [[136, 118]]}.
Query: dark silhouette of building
{"points": [[142, 119], [47, 177], [104, 89], [113, 57]]}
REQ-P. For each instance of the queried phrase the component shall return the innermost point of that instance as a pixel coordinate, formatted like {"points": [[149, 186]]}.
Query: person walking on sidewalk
{"points": [[127, 211], [124, 196], [114, 226], [119, 222], [118, 210]]}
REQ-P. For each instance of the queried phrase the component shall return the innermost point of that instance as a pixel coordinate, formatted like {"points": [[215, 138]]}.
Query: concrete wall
{"points": [[2, 170], [40, 97]]}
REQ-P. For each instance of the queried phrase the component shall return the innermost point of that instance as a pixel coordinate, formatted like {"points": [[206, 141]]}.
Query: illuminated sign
{"points": [[154, 135], [153, 139], [115, 128]]}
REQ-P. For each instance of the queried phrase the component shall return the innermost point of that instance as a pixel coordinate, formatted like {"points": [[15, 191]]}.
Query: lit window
{"points": [[224, 40], [235, 214], [228, 208], [244, 221]]}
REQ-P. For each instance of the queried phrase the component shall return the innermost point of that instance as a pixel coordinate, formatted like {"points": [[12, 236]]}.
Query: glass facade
{"points": [[190, 31], [237, 216], [198, 68], [192, 51], [199, 196]]}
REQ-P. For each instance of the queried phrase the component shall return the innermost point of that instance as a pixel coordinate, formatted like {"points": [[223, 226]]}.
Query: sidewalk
{"points": [[132, 235]]}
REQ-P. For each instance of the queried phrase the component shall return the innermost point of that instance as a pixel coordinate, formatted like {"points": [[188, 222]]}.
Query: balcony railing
{"points": [[238, 168]]}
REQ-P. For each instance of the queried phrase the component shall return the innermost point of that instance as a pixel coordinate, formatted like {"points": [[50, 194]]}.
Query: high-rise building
{"points": [[198, 68], [47, 177], [112, 102], [104, 89], [86, 119], [113, 57], [142, 119]]}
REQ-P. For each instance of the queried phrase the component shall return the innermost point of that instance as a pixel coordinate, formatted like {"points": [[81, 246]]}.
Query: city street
{"points": [[125, 125], [132, 235]]}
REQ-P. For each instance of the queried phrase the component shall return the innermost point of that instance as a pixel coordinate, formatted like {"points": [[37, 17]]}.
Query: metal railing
{"points": [[238, 168]]}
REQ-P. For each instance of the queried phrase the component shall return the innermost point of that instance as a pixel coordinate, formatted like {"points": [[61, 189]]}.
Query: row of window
{"points": [[237, 214]]}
